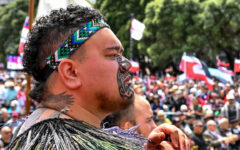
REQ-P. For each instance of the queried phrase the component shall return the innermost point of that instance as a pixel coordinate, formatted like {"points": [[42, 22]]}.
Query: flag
{"points": [[237, 65], [23, 38], [182, 64], [220, 75], [195, 69], [220, 63], [137, 29], [135, 67], [169, 77], [225, 70]]}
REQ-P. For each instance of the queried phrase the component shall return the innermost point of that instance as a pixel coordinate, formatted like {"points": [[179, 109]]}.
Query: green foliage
{"points": [[12, 17], [118, 15], [204, 28], [222, 28]]}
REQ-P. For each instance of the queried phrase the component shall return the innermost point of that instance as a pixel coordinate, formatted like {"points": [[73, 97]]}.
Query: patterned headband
{"points": [[74, 42]]}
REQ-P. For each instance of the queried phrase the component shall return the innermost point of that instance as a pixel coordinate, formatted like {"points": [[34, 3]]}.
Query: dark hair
{"points": [[46, 36]]}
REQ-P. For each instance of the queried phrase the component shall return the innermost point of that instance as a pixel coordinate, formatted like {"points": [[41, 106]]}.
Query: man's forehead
{"points": [[106, 38]]}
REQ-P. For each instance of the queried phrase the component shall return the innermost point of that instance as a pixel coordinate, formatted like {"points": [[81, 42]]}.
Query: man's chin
{"points": [[115, 104], [127, 101]]}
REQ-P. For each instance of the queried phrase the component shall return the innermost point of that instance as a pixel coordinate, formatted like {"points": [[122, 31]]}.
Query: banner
{"points": [[237, 65], [14, 63], [23, 38], [137, 29]]}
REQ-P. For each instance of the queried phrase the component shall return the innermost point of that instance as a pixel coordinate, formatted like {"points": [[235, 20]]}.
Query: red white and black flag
{"points": [[237, 65], [195, 69], [221, 63], [23, 38]]}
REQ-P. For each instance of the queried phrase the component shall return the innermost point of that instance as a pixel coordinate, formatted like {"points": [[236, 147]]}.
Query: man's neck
{"points": [[80, 113], [76, 108]]}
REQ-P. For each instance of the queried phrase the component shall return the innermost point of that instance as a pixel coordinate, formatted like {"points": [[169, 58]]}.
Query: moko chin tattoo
{"points": [[124, 78]]}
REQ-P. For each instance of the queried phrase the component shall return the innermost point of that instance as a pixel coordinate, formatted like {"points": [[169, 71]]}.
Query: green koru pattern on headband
{"points": [[74, 42]]}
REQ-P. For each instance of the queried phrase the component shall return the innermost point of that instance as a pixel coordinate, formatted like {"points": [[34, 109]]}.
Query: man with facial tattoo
{"points": [[81, 77]]}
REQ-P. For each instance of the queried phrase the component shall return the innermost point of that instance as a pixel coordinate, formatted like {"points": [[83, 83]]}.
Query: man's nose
{"points": [[124, 64]]}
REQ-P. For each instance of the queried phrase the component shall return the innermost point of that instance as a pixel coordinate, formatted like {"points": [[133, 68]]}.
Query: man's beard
{"points": [[123, 99], [113, 104]]}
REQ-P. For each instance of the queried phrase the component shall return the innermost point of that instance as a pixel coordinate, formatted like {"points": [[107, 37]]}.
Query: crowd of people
{"points": [[12, 104], [209, 118]]}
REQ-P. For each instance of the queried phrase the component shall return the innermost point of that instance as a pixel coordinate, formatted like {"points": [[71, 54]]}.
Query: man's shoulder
{"points": [[192, 136], [206, 133], [58, 133]]}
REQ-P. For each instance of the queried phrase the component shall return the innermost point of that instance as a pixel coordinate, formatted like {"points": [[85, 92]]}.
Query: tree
{"points": [[12, 17], [118, 15], [171, 28], [204, 28], [221, 26]]}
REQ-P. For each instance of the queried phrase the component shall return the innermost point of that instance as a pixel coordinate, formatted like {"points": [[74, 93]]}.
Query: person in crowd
{"points": [[208, 116], [231, 109], [224, 127], [2, 92], [156, 105], [13, 122], [4, 116], [162, 118], [14, 106], [71, 53], [150, 98], [170, 100], [189, 123], [236, 93], [196, 109], [213, 138], [11, 93], [133, 116], [6, 135], [180, 100], [235, 142], [197, 136]]}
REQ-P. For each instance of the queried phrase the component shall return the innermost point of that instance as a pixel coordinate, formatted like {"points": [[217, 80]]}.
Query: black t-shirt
{"points": [[199, 142], [235, 145], [2, 122], [232, 112], [3, 143]]}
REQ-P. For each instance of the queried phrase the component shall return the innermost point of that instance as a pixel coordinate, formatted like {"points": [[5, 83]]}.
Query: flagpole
{"points": [[28, 101], [131, 41]]}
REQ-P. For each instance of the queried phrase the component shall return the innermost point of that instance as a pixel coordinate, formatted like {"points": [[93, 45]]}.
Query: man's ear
{"points": [[69, 74], [127, 125]]}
